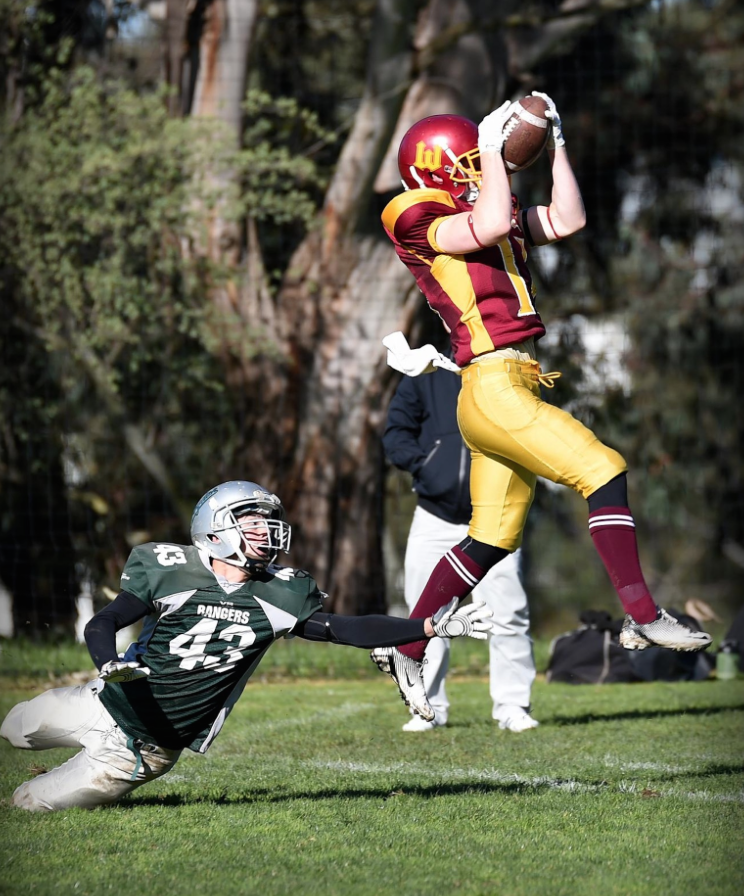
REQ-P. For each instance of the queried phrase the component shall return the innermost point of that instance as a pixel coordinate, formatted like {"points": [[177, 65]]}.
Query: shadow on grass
{"points": [[587, 718], [538, 786], [590, 717], [380, 793]]}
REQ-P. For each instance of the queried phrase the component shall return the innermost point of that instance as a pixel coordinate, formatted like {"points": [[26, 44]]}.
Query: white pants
{"points": [[106, 769], [512, 664]]}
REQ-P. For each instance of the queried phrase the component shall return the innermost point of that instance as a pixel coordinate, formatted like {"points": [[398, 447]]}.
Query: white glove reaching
{"points": [[556, 138], [414, 361], [475, 621], [491, 130], [120, 671]]}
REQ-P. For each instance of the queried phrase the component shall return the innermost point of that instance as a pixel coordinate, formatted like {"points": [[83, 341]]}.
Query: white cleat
{"points": [[418, 724], [664, 631], [408, 674], [514, 718]]}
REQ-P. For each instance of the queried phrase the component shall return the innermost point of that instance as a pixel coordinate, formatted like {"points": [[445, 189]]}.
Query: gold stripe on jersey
{"points": [[395, 208], [431, 234], [517, 280], [451, 273]]}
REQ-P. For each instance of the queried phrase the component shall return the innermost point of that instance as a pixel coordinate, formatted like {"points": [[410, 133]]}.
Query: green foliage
{"points": [[312, 788], [99, 194], [281, 181], [316, 53], [33, 41], [283, 169], [109, 332]]}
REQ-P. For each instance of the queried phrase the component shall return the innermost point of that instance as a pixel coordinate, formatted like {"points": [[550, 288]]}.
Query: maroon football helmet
{"points": [[441, 152]]}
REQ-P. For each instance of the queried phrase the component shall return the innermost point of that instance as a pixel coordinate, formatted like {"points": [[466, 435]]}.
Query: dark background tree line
{"points": [[195, 282]]}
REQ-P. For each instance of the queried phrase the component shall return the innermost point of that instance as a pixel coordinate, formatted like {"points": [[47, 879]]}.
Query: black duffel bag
{"points": [[592, 655]]}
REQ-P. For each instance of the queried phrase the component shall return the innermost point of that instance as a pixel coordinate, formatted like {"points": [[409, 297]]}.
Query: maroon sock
{"points": [[454, 576], [613, 532]]}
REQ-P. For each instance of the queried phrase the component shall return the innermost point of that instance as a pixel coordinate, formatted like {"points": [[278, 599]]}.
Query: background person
{"points": [[421, 436], [211, 609]]}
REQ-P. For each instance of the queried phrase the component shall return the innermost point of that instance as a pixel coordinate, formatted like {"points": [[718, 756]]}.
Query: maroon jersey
{"points": [[485, 298]]}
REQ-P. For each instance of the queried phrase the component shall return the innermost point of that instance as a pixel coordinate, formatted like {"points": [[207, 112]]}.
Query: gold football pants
{"points": [[514, 437]]}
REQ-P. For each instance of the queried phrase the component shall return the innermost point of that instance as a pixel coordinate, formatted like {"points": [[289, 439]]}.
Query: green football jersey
{"points": [[202, 641]]}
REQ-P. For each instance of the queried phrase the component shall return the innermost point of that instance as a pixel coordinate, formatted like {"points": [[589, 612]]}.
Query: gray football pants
{"points": [[512, 664], [109, 766]]}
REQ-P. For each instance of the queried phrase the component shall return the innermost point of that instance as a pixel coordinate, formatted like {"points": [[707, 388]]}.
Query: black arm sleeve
{"points": [[362, 631], [526, 229], [100, 632]]}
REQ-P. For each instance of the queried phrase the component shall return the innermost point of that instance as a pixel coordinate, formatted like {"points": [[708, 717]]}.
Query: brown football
{"points": [[527, 133]]}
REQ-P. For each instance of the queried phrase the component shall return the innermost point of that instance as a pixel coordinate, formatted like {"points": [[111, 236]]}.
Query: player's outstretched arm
{"points": [[376, 630]]}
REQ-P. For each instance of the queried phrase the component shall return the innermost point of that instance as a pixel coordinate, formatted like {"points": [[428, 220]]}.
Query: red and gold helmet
{"points": [[441, 152]]}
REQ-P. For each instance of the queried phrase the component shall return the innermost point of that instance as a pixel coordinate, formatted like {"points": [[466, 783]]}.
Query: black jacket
{"points": [[422, 437]]}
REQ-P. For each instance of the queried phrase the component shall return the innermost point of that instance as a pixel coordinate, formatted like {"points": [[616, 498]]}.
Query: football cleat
{"points": [[664, 631], [416, 723], [514, 718], [408, 674]]}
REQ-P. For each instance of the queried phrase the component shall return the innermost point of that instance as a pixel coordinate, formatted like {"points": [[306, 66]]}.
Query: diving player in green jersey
{"points": [[211, 610]]}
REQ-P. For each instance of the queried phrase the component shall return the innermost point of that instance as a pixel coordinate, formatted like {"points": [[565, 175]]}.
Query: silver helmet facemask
{"points": [[219, 525]]}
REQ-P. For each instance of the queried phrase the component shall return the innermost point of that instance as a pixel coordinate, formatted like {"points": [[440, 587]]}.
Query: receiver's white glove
{"points": [[556, 136], [491, 130], [119, 671], [414, 361], [475, 621]]}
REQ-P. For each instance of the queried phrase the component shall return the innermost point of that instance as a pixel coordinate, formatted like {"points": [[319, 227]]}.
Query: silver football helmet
{"points": [[241, 523]]}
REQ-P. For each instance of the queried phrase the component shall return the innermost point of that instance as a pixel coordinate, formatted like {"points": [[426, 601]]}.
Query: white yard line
{"points": [[541, 781]]}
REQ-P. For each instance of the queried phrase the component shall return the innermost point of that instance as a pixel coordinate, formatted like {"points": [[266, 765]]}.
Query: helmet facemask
{"points": [[255, 535], [466, 170]]}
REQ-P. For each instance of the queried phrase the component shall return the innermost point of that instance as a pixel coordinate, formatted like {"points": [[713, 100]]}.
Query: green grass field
{"points": [[313, 788]]}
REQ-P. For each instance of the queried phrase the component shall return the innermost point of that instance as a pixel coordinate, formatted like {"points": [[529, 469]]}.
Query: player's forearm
{"points": [[492, 211], [100, 632], [489, 222], [100, 638], [567, 213], [365, 632]]}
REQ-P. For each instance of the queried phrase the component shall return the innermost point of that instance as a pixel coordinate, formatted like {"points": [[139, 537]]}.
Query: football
{"points": [[526, 133]]}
